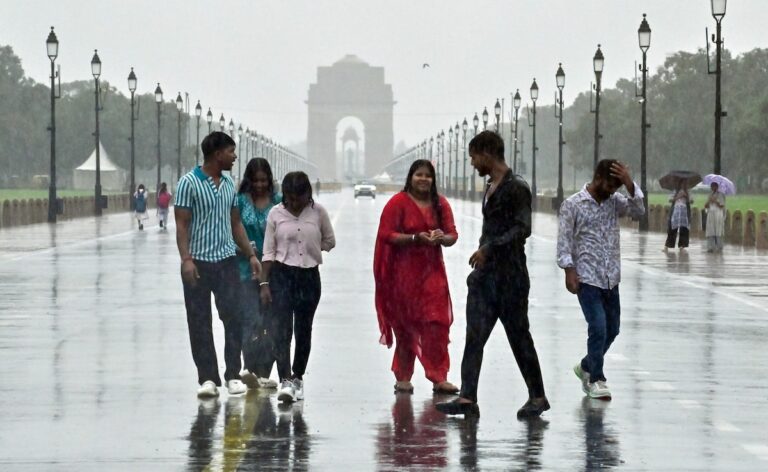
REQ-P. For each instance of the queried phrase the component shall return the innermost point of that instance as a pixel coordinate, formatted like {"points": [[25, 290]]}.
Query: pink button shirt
{"points": [[298, 241]]}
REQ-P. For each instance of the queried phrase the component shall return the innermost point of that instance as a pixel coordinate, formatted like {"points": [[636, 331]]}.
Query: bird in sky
{"points": [[425, 66]]}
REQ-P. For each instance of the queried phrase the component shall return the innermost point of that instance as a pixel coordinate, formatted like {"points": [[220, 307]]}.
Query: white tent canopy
{"points": [[112, 177]]}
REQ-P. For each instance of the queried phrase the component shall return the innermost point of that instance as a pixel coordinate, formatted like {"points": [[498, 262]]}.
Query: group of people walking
{"points": [[258, 253], [141, 205]]}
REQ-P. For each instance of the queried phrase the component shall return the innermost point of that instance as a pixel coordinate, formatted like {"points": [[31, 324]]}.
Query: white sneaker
{"points": [[299, 387], [266, 383], [583, 375], [599, 390], [207, 390], [249, 378], [236, 387], [287, 392]]}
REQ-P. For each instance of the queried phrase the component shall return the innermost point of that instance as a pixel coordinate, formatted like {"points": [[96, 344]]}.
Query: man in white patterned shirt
{"points": [[588, 249]]}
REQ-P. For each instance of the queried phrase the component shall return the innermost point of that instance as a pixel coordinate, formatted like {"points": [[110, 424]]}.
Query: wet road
{"points": [[97, 373]]}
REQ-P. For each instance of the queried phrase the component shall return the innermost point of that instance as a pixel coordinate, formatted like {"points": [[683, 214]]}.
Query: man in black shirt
{"points": [[498, 285]]}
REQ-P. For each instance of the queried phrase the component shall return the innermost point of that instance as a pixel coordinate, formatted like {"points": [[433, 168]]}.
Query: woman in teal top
{"points": [[255, 199]]}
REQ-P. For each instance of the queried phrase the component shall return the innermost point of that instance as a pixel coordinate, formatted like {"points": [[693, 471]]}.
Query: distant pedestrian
{"points": [[140, 205], [317, 186], [679, 219], [164, 198], [498, 285], [715, 219], [255, 199], [588, 250], [208, 231], [412, 296], [298, 230]]}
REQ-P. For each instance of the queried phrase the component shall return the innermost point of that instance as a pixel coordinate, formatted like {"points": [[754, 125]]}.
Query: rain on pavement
{"points": [[97, 373]]}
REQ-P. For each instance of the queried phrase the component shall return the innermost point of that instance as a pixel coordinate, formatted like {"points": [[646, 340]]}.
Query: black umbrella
{"points": [[677, 178]]}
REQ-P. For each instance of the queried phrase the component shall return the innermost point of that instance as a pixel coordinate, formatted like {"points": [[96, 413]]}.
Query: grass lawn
{"points": [[757, 203], [23, 193]]}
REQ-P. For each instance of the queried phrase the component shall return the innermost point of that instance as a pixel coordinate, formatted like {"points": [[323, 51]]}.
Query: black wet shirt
{"points": [[506, 224]]}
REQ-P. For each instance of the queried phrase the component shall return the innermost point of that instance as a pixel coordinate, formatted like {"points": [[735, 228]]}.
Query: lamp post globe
{"points": [[132, 81], [96, 64], [231, 127], [158, 94], [198, 109], [179, 102], [718, 9], [475, 122], [598, 62], [52, 45], [485, 117], [560, 77], [222, 122], [644, 35], [534, 91], [517, 100]]}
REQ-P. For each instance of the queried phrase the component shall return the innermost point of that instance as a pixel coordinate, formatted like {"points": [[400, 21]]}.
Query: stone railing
{"points": [[35, 210]]}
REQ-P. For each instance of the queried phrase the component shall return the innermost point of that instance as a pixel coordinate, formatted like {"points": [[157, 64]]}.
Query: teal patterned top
{"points": [[255, 223]]}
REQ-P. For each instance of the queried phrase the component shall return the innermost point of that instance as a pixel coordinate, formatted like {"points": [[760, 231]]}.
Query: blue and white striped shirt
{"points": [[210, 234]]}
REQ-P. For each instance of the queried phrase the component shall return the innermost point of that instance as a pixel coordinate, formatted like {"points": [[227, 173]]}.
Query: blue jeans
{"points": [[602, 311]]}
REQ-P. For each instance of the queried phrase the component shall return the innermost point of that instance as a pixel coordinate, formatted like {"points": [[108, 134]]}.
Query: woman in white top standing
{"points": [[298, 230], [715, 218]]}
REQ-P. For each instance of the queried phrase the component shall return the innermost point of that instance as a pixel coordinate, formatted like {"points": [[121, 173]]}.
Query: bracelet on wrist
{"points": [[263, 284]]}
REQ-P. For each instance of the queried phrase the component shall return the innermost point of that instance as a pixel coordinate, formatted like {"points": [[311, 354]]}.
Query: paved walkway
{"points": [[98, 374]]}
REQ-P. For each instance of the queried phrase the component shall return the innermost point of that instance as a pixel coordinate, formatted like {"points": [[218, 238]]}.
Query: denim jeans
{"points": [[602, 311]]}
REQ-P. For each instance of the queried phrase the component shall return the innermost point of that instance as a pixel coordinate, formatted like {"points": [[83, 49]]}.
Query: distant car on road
{"points": [[365, 188]]}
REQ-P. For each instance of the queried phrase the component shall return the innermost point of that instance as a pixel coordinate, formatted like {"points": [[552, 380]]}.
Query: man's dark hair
{"points": [[297, 184], [488, 142], [216, 141], [603, 171]]}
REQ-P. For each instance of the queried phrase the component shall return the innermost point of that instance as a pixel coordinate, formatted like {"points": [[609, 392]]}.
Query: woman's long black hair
{"points": [[433, 195], [257, 164], [297, 183]]}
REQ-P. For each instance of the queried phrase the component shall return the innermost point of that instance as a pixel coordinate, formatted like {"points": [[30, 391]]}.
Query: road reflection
{"points": [[256, 435], [408, 441], [602, 450]]}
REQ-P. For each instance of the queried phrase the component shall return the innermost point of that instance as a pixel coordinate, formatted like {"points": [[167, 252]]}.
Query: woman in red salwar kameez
{"points": [[412, 297]]}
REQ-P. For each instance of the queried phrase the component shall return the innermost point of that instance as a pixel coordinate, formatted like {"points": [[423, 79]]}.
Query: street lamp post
{"points": [[96, 71], [516, 101], [231, 129], [644, 39], [132, 83], [475, 124], [198, 114], [222, 123], [485, 118], [534, 97], [560, 81], [598, 61], [497, 112], [456, 166], [179, 108], [159, 102], [245, 154], [718, 12], [209, 119], [449, 186], [52, 48], [464, 127]]}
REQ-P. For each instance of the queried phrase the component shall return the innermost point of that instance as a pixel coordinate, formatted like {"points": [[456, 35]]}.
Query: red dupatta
{"points": [[411, 284]]}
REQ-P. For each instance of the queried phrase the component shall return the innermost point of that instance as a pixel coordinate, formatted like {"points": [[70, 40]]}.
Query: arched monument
{"points": [[349, 88]]}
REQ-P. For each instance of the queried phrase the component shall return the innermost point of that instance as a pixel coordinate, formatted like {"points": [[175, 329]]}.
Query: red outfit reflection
{"points": [[412, 296]]}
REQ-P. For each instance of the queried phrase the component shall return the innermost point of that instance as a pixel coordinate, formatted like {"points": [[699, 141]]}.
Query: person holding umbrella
{"points": [[679, 219], [715, 218]]}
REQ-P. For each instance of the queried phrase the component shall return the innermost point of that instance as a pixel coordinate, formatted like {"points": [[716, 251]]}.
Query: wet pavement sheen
{"points": [[97, 373]]}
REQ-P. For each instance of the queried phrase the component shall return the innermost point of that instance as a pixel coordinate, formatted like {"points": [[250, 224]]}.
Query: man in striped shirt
{"points": [[208, 232]]}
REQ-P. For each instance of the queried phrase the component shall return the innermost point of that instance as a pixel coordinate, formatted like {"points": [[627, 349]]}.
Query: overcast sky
{"points": [[254, 59]]}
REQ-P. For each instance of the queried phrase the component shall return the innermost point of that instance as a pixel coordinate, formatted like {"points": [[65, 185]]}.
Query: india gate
{"points": [[349, 133]]}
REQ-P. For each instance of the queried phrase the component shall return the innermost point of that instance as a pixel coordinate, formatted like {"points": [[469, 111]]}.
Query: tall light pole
{"points": [[198, 114], [497, 112], [245, 154], [718, 12], [456, 166], [516, 101], [598, 62], [159, 102], [52, 48], [560, 81], [534, 97], [96, 71], [475, 124], [132, 83], [179, 108], [464, 127], [449, 185], [644, 39], [209, 119]]}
